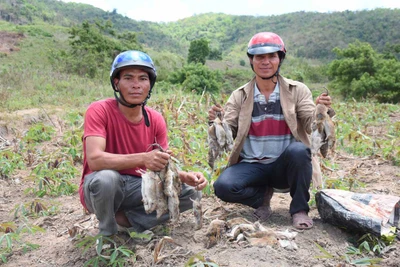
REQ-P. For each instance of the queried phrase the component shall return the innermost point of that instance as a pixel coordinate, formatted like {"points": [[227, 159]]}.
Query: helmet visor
{"points": [[260, 49]]}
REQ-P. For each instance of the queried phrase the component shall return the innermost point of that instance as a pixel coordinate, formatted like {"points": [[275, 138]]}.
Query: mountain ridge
{"points": [[306, 34]]}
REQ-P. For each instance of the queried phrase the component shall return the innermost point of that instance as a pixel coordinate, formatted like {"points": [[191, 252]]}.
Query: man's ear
{"points": [[251, 60], [116, 81]]}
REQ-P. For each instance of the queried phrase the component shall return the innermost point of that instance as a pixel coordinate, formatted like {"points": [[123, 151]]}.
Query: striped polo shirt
{"points": [[269, 135]]}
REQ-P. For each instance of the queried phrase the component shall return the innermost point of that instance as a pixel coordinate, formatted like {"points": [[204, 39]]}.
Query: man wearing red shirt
{"points": [[118, 138]]}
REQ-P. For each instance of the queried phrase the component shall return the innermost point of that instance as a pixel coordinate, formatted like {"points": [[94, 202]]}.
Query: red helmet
{"points": [[265, 43]]}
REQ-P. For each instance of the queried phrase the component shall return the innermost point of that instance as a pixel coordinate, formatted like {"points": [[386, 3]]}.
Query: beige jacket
{"points": [[298, 108]]}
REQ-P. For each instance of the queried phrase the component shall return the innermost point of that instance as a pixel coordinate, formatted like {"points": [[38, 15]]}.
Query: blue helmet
{"points": [[133, 58]]}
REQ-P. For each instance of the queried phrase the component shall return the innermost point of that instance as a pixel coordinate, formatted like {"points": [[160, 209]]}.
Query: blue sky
{"points": [[173, 10]]}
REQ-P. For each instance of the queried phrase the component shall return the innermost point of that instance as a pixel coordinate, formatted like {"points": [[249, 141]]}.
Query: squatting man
{"points": [[270, 118], [117, 143]]}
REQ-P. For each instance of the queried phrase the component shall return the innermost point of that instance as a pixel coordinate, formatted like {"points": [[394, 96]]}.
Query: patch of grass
{"points": [[53, 178], [39, 132], [11, 239], [113, 256], [367, 129], [369, 243], [9, 162], [348, 257], [35, 208], [199, 260], [346, 183], [28, 78]]}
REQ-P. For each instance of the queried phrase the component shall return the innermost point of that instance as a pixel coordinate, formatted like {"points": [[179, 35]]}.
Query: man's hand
{"points": [[156, 160], [212, 112], [324, 99], [195, 179]]}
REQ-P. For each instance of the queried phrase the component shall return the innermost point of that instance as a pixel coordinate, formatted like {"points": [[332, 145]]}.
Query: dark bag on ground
{"points": [[365, 213]]}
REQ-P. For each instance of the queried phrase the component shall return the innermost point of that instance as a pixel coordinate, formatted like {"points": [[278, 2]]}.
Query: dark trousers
{"points": [[246, 183]]}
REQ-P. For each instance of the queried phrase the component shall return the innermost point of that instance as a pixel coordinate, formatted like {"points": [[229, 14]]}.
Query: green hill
{"points": [[37, 62], [307, 34]]}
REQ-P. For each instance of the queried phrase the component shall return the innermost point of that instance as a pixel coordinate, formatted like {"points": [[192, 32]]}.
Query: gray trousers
{"points": [[107, 192]]}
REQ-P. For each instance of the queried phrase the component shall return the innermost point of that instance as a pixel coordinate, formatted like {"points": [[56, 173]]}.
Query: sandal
{"points": [[301, 221]]}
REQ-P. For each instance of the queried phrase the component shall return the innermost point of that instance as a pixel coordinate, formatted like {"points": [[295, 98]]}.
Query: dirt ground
{"points": [[56, 248], [9, 41]]}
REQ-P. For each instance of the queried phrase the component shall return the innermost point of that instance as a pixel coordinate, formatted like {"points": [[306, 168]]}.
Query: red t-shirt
{"points": [[103, 118]]}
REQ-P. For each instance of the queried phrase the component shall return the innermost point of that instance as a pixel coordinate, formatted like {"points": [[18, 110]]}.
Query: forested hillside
{"points": [[307, 34], [355, 54]]}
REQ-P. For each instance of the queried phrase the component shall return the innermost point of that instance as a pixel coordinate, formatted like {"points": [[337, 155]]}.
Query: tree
{"points": [[392, 51], [197, 77], [360, 73], [215, 54], [94, 46], [198, 51]]}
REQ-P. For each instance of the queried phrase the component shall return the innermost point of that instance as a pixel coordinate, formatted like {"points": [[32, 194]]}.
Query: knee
{"points": [[221, 189], [297, 151], [105, 180]]}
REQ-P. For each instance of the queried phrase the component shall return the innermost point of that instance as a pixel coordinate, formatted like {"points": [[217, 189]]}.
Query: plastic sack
{"points": [[370, 213]]}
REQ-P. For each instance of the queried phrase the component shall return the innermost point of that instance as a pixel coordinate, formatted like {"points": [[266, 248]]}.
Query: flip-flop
{"points": [[301, 221]]}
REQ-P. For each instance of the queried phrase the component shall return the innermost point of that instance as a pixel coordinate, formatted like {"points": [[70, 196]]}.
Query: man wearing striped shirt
{"points": [[271, 119]]}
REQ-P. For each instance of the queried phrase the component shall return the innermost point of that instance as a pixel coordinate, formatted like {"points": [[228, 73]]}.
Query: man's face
{"points": [[265, 65], [133, 84]]}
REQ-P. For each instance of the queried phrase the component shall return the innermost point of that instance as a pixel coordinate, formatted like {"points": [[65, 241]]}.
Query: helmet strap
{"points": [[146, 117], [275, 75], [123, 102], [270, 77]]}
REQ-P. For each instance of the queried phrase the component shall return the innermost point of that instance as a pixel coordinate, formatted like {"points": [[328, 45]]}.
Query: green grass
{"points": [[367, 129], [30, 79]]}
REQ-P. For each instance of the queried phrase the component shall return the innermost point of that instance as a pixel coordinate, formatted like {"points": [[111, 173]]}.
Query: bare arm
{"points": [[98, 159]]}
